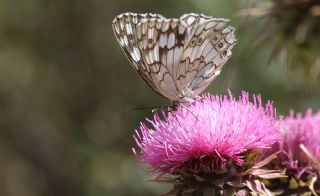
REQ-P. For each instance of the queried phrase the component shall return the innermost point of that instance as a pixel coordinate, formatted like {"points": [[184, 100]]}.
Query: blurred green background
{"points": [[66, 86]]}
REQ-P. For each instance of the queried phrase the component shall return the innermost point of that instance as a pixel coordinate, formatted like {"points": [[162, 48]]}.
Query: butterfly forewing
{"points": [[178, 58]]}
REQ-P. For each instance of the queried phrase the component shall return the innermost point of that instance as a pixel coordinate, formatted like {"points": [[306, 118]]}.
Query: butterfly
{"points": [[177, 58]]}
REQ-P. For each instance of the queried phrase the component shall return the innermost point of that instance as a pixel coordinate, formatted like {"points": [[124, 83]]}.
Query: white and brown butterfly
{"points": [[177, 58]]}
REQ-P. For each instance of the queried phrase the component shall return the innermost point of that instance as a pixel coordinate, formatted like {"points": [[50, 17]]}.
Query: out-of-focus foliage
{"points": [[65, 87], [293, 28]]}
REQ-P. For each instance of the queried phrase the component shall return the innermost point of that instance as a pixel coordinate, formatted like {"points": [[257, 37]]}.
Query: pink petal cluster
{"points": [[221, 127], [297, 130]]}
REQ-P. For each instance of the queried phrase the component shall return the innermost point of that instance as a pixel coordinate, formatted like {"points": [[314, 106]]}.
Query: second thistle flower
{"points": [[300, 155]]}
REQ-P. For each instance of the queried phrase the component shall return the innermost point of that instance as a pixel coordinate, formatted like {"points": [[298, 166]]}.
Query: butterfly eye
{"points": [[150, 41], [130, 36]]}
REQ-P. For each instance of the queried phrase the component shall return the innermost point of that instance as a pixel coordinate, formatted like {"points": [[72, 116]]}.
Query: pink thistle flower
{"points": [[299, 156], [300, 140], [206, 135]]}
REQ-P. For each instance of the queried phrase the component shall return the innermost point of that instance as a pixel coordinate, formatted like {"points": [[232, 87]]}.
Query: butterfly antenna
{"points": [[153, 108], [174, 114]]}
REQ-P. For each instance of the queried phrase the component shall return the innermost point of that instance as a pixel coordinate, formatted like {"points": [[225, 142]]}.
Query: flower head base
{"points": [[210, 137]]}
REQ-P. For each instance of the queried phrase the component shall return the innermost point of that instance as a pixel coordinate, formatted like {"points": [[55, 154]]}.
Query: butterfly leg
{"points": [[197, 97], [204, 101], [185, 107]]}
